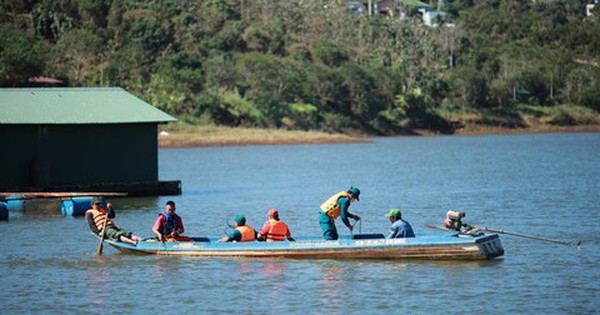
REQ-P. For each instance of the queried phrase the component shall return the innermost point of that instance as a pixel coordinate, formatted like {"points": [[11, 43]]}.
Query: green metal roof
{"points": [[75, 106]]}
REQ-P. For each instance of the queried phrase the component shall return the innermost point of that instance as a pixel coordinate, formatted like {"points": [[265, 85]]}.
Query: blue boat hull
{"points": [[436, 246]]}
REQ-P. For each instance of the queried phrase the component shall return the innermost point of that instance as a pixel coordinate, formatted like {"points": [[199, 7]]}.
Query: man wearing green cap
{"points": [[241, 233], [337, 206], [400, 228]]}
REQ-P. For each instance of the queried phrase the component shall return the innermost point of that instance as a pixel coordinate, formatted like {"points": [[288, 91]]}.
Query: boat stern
{"points": [[490, 246]]}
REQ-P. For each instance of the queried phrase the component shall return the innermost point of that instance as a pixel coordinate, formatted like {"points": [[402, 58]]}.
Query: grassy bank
{"points": [[524, 119], [519, 119], [185, 135]]}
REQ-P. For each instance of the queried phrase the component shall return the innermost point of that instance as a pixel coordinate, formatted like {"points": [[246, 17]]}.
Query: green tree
{"points": [[95, 11], [129, 64], [51, 18], [21, 56], [77, 56], [174, 85], [330, 53], [146, 29]]}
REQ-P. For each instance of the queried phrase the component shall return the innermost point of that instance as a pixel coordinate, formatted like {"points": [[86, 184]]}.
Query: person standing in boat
{"points": [[169, 226], [337, 206], [95, 218], [400, 228], [241, 233], [274, 230]]}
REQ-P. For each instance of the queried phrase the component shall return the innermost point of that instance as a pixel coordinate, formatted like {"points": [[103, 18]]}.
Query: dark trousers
{"points": [[328, 226]]}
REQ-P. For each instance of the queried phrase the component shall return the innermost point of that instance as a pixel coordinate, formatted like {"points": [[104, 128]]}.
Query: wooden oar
{"points": [[102, 235], [539, 238]]}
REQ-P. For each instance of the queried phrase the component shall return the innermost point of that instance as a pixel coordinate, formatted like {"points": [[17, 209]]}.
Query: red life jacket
{"points": [[248, 233], [277, 232]]}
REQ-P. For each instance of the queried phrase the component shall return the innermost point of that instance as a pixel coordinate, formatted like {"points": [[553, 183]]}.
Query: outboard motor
{"points": [[453, 220]]}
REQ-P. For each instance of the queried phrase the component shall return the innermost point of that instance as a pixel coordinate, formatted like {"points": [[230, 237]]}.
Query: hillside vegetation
{"points": [[316, 65]]}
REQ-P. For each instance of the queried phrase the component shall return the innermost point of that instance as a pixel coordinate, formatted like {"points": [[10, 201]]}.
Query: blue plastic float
{"points": [[3, 211], [77, 206]]}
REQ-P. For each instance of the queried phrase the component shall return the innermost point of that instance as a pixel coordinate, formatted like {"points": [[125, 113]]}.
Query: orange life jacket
{"points": [[277, 232], [331, 207], [248, 233], [98, 216]]}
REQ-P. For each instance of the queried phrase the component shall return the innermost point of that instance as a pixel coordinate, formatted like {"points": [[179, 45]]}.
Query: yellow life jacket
{"points": [[331, 207], [98, 216], [277, 232], [248, 233]]}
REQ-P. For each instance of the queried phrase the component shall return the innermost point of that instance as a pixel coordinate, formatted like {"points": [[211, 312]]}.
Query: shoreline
{"points": [[244, 138], [226, 142], [482, 131], [185, 136]]}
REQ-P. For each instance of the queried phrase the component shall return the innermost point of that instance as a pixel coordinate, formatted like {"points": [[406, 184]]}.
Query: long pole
{"points": [[528, 236], [102, 236]]}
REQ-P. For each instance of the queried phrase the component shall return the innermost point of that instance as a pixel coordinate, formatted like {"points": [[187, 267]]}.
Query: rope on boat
{"points": [[359, 221], [359, 226]]}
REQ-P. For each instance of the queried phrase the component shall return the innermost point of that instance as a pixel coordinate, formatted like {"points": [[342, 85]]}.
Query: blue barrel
{"points": [[78, 205], [15, 203], [3, 211]]}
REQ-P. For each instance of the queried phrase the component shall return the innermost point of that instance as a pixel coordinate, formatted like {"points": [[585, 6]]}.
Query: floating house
{"points": [[80, 139]]}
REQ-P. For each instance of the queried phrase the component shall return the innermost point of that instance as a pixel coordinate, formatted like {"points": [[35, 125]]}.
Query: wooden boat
{"points": [[434, 245]]}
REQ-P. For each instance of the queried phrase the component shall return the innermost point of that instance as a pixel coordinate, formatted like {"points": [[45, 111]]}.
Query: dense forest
{"points": [[315, 64]]}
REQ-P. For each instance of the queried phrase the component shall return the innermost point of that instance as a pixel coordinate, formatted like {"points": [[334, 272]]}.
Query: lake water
{"points": [[547, 185]]}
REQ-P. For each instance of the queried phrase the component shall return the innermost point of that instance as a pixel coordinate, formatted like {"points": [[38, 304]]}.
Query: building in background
{"points": [[80, 139], [589, 9]]}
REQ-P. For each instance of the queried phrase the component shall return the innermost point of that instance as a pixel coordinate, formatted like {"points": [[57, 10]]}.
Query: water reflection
{"points": [[41, 207], [138, 203], [272, 269], [473, 264], [332, 288], [162, 267], [98, 281], [245, 269], [274, 283]]}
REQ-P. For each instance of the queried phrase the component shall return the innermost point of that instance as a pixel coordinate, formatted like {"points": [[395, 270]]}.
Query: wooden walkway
{"points": [[28, 194]]}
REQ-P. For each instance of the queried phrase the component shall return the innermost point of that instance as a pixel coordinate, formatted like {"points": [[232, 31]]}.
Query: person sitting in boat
{"points": [[337, 206], [274, 230], [241, 233], [400, 228], [95, 218], [169, 226]]}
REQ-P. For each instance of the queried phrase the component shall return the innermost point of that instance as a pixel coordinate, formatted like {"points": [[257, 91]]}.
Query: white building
{"points": [[433, 18], [590, 7]]}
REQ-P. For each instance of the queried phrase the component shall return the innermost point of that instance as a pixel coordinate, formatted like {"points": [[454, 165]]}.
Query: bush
{"points": [[230, 38], [333, 122], [242, 112], [330, 53], [303, 116], [591, 98]]}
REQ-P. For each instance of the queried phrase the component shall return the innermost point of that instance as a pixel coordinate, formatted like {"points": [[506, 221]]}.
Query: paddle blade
{"points": [[100, 247], [103, 235]]}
